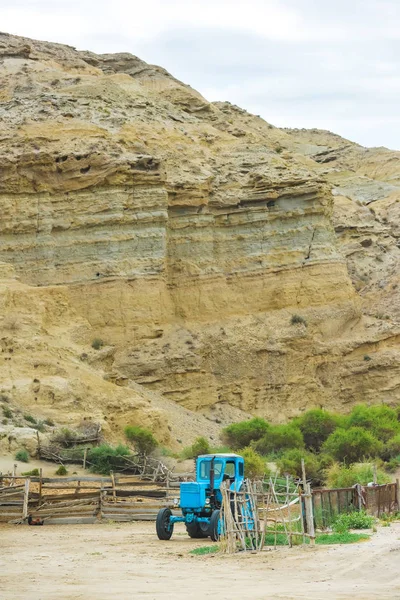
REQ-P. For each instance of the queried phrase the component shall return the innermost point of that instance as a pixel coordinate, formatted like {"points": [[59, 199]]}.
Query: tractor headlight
{"points": [[176, 501], [207, 501]]}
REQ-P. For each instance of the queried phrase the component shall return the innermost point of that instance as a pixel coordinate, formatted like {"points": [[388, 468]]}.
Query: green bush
{"points": [[298, 320], [290, 464], [352, 520], [316, 426], [239, 435], [62, 470], [142, 438], [380, 419], [65, 436], [352, 445], [7, 412], [392, 448], [393, 464], [105, 458], [22, 456], [33, 473], [97, 343], [30, 419], [279, 438], [200, 446], [254, 464], [339, 476]]}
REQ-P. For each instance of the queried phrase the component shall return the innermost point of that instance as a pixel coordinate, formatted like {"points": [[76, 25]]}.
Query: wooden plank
{"points": [[127, 518], [135, 505], [81, 495], [71, 521], [134, 511], [72, 488], [72, 479], [142, 493]]}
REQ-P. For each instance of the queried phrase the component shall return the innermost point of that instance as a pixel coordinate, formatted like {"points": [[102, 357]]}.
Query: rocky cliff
{"points": [[227, 266]]}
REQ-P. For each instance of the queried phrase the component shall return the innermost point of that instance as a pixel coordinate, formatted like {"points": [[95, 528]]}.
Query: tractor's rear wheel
{"points": [[197, 530], [214, 527], [164, 527]]}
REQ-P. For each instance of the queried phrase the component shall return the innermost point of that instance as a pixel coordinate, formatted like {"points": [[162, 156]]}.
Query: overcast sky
{"points": [[298, 63]]}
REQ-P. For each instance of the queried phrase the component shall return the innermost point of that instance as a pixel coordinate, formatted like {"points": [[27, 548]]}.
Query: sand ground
{"points": [[127, 561]]}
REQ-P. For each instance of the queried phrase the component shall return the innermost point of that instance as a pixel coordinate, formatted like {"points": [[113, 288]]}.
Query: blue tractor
{"points": [[200, 500]]}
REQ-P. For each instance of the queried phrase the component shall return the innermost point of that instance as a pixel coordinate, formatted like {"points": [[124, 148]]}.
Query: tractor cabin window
{"points": [[205, 469]]}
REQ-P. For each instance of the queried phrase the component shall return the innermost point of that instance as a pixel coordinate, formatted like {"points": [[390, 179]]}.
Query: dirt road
{"points": [[127, 561]]}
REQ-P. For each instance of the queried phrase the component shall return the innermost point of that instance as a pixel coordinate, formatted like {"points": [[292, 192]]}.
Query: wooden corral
{"points": [[84, 499]]}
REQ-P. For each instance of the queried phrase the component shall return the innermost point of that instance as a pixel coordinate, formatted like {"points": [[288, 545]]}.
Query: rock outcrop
{"points": [[228, 266]]}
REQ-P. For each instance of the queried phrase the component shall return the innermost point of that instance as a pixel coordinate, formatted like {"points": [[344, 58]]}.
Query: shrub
{"points": [[62, 470], [40, 426], [30, 419], [352, 445], [392, 448], [22, 456], [7, 412], [393, 464], [352, 520], [316, 425], [380, 419], [298, 320], [33, 473], [97, 343], [254, 464], [65, 436], [239, 435], [49, 422], [105, 458], [290, 464], [279, 438], [142, 438], [200, 446], [339, 476]]}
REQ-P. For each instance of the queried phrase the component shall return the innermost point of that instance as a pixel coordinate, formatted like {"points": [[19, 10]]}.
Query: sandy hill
{"points": [[220, 266]]}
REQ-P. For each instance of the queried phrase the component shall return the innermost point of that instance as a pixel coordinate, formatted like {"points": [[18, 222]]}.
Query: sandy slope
{"points": [[127, 561]]}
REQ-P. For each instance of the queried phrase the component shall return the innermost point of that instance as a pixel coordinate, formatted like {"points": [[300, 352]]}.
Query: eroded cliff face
{"points": [[186, 235]]}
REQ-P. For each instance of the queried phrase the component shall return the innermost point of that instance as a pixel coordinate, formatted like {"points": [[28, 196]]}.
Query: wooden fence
{"points": [[79, 499], [376, 500]]}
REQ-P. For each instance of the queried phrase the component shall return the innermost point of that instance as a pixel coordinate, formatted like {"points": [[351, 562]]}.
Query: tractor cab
{"points": [[213, 469], [200, 500]]}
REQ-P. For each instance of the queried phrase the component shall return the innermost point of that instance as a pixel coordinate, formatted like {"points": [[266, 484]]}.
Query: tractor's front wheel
{"points": [[215, 527], [164, 527]]}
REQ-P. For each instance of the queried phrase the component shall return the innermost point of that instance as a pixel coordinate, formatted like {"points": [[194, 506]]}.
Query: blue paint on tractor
{"points": [[200, 501]]}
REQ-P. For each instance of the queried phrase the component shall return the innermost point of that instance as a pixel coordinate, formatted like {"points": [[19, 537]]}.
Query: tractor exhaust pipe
{"points": [[212, 478]]}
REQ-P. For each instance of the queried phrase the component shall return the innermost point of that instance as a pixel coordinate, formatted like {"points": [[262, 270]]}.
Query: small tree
{"points": [[279, 438], [380, 419], [239, 435], [22, 456], [352, 445], [290, 463], [316, 426], [200, 446], [105, 458], [142, 438], [254, 464]]}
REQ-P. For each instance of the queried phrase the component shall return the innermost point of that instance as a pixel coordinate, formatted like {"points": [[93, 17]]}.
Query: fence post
{"points": [[309, 514], [84, 458], [26, 498], [113, 486], [40, 485], [398, 494]]}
